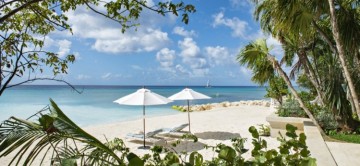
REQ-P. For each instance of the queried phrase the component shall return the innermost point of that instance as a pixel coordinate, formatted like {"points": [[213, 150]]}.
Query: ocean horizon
{"points": [[95, 106]]}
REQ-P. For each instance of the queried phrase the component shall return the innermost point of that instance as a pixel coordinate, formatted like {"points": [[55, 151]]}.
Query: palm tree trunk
{"points": [[311, 74], [293, 91], [341, 53]]}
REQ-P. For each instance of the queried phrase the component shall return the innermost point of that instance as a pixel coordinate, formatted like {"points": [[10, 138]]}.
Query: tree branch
{"points": [[7, 3], [51, 21], [91, 8], [327, 39], [11, 13], [44, 79]]}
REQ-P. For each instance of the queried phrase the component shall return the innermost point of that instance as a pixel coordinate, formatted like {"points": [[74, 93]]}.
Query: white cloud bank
{"points": [[107, 36], [219, 55], [182, 32], [191, 56], [237, 26], [166, 58]]}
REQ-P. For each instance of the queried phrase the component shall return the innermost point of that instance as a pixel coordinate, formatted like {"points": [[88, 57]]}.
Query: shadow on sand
{"points": [[185, 146], [217, 135]]}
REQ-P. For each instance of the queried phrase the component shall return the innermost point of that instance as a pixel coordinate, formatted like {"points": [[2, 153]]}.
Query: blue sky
{"points": [[163, 50]]}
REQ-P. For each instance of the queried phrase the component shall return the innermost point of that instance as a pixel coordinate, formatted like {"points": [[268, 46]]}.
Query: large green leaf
{"points": [[134, 160], [53, 132]]}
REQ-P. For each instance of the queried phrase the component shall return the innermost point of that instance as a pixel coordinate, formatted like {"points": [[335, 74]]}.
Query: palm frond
{"points": [[52, 133], [254, 56]]}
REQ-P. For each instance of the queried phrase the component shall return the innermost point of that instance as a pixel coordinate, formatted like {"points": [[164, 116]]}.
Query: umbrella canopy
{"points": [[188, 94], [143, 97]]}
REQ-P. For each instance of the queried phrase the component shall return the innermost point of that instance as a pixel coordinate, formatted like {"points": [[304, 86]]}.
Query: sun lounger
{"points": [[175, 131], [150, 134]]}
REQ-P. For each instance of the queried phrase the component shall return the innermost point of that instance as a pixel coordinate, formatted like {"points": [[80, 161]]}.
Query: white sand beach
{"points": [[214, 126]]}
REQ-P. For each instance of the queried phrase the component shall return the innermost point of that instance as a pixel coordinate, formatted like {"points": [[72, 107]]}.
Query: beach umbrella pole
{"points": [[189, 114], [144, 122]]}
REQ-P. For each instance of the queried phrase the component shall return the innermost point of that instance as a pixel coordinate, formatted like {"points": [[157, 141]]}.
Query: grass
{"points": [[351, 138]]}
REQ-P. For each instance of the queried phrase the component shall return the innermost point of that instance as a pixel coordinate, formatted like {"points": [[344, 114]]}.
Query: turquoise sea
{"points": [[95, 104]]}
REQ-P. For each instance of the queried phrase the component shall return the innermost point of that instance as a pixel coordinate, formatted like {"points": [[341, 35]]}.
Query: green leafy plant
{"points": [[24, 26], [277, 89], [264, 130], [178, 108], [55, 132], [326, 119], [291, 108]]}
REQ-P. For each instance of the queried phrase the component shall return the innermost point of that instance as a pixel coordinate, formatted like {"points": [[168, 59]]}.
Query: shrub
{"points": [[264, 130], [326, 119], [290, 152], [291, 108], [178, 108]]}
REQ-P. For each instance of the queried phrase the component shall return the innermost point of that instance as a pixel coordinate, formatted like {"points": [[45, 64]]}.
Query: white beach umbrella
{"points": [[188, 94], [143, 97]]}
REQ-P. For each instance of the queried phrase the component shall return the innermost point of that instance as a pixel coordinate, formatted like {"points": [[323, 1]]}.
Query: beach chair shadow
{"points": [[150, 137], [217, 135], [175, 132], [183, 146]]}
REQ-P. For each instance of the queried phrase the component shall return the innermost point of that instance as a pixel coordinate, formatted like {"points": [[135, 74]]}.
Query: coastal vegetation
{"points": [[65, 143], [319, 40], [25, 25]]}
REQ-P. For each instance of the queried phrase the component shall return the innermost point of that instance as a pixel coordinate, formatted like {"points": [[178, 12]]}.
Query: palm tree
{"points": [[342, 55], [256, 56], [61, 139], [297, 47], [300, 20], [275, 17]]}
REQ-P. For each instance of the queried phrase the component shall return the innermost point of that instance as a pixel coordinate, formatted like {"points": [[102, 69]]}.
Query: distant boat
{"points": [[208, 84]]}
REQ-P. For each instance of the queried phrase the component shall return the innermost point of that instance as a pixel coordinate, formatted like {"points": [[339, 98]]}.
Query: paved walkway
{"points": [[345, 154], [317, 145]]}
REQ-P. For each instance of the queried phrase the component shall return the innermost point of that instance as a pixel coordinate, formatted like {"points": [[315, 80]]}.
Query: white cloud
{"points": [[182, 32], [191, 56], [166, 58], [77, 56], [108, 76], [64, 47], [239, 3], [107, 34], [83, 77], [276, 46], [219, 55], [198, 63], [48, 42], [182, 70], [238, 26], [245, 71], [189, 48], [231, 74], [136, 67]]}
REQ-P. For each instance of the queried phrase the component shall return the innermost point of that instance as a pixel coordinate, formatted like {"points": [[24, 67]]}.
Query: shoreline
{"points": [[195, 108], [211, 127], [224, 104]]}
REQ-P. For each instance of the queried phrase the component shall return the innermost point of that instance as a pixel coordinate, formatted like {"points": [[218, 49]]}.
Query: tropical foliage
{"points": [[291, 108], [319, 44], [25, 24], [54, 136], [277, 89]]}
